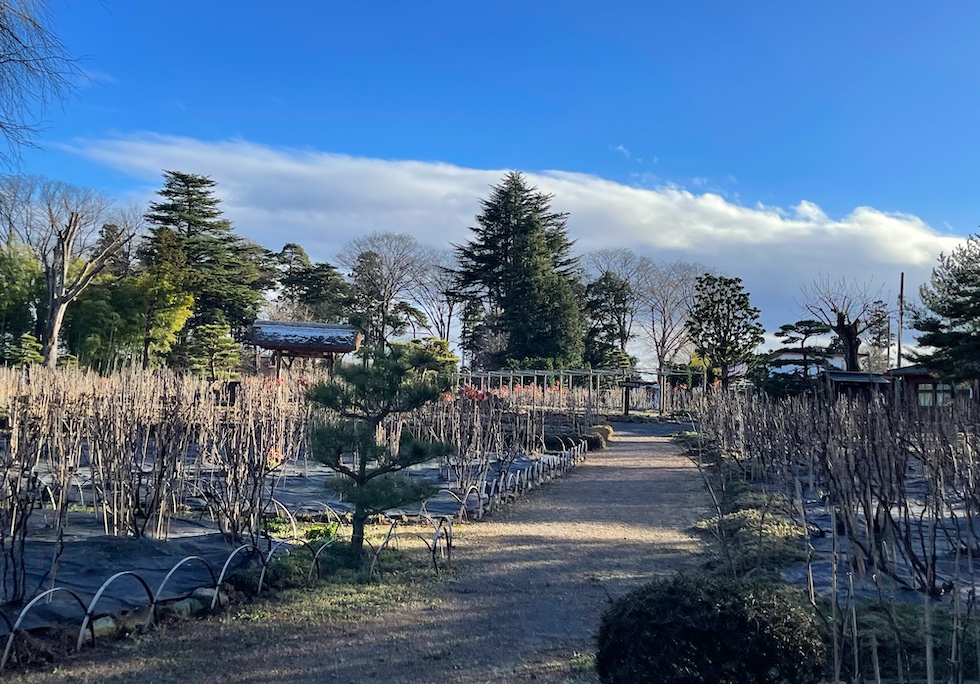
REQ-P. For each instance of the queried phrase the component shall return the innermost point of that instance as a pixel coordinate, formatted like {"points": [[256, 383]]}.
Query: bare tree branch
{"points": [[35, 72], [847, 307], [434, 291], [626, 265], [401, 259], [667, 293]]}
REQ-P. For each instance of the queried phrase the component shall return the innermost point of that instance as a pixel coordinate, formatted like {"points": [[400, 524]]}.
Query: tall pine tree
{"points": [[540, 310], [222, 271], [515, 275]]}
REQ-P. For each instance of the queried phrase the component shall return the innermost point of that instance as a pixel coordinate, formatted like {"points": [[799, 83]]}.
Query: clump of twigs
{"points": [[894, 486]]}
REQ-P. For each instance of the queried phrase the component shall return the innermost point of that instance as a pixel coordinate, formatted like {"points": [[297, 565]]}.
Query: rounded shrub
{"points": [[693, 630]]}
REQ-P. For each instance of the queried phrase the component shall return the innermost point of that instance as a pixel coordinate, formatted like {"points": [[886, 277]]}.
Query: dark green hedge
{"points": [[694, 630]]}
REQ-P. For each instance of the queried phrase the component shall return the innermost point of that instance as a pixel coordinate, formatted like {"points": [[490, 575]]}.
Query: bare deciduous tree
{"points": [[621, 261], [63, 224], [666, 293], [435, 291], [400, 261], [35, 71], [847, 307]]}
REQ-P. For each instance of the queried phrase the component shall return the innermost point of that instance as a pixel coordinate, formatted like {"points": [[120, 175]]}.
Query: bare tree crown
{"points": [[35, 72]]}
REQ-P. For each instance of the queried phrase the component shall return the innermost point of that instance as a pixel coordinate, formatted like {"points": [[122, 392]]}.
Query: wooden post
{"points": [[901, 316]]}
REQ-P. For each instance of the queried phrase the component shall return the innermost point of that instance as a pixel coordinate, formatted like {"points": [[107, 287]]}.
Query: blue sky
{"points": [[757, 129]]}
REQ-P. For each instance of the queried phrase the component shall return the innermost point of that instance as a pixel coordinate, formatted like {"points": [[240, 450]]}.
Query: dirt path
{"points": [[532, 584]]}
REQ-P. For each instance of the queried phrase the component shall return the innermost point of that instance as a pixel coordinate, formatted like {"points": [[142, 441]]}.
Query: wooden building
{"points": [[289, 341], [920, 385], [853, 383]]}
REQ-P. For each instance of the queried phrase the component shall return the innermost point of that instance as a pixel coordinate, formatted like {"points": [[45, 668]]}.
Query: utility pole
{"points": [[901, 315]]}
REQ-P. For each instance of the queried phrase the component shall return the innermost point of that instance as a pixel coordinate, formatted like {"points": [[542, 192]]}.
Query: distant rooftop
{"points": [[856, 377], [909, 370]]}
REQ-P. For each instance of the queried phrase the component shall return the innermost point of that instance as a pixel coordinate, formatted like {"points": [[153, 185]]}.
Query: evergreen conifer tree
{"points": [[516, 276], [608, 308], [212, 352], [723, 324], [313, 291], [220, 270], [949, 318], [362, 438], [797, 337]]}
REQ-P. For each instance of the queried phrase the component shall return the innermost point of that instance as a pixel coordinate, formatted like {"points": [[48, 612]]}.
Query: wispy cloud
{"points": [[322, 200], [91, 77], [622, 150]]}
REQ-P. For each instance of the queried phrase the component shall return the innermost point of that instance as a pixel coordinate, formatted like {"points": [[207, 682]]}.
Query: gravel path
{"points": [[536, 578], [532, 584]]}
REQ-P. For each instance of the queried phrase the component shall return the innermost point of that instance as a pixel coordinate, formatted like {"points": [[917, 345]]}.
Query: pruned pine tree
{"points": [[798, 339], [26, 352], [358, 432], [790, 369], [213, 353], [723, 324], [949, 317]]}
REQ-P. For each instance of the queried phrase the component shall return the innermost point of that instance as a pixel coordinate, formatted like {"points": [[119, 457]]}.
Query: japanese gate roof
{"points": [[305, 337]]}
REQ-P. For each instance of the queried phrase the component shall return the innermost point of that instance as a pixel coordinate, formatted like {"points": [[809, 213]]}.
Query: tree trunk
{"points": [[849, 337], [357, 531], [851, 357], [52, 329]]}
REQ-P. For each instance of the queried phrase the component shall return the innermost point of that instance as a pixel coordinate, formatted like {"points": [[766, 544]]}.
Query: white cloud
{"points": [[91, 77], [321, 200]]}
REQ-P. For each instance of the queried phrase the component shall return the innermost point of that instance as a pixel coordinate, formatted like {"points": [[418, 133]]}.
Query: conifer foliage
{"points": [[949, 318], [516, 276], [359, 434], [723, 324], [204, 257]]}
